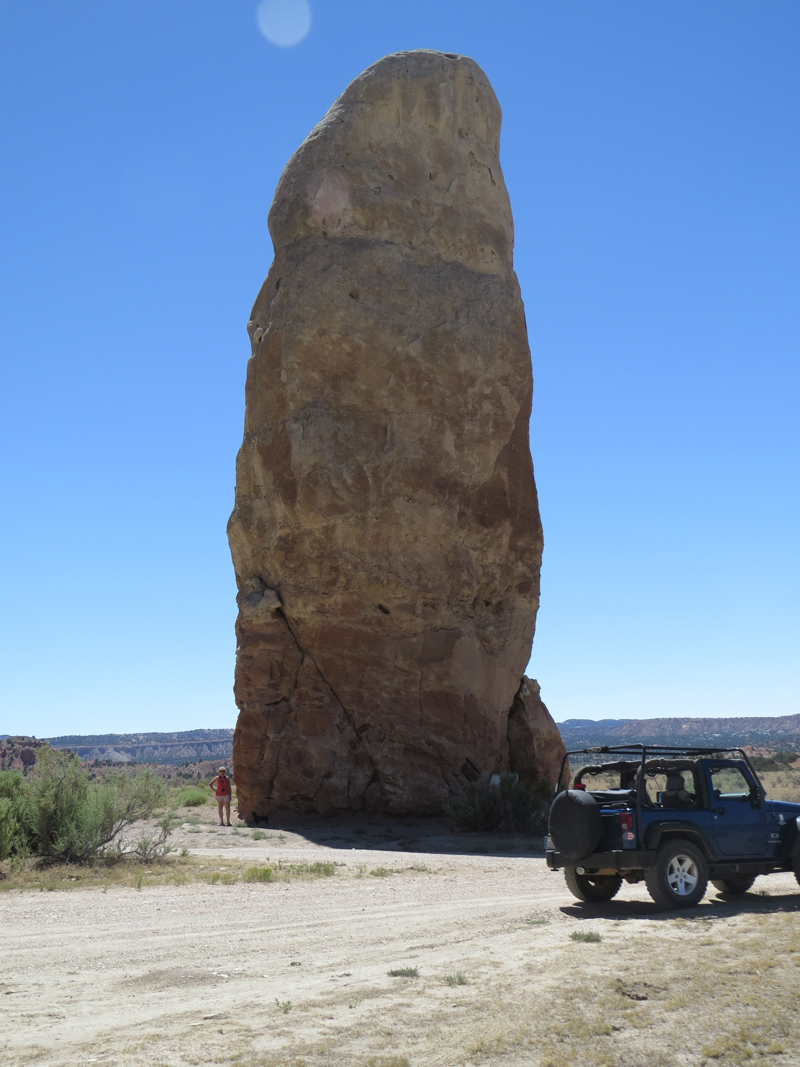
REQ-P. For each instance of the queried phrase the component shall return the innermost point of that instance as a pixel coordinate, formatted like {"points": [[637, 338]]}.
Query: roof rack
{"points": [[661, 750], [642, 752]]}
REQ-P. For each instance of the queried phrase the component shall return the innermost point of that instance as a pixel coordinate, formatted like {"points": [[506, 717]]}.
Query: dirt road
{"points": [[297, 972]]}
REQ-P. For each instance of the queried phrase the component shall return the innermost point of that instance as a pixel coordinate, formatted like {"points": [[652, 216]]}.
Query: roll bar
{"points": [[644, 752]]}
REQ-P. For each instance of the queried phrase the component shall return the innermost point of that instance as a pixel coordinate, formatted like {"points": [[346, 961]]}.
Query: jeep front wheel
{"points": [[735, 885], [592, 887], [679, 876]]}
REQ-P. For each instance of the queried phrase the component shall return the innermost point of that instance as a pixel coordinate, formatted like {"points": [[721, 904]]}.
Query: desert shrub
{"points": [[319, 869], [258, 874], [514, 806], [287, 871], [777, 762], [10, 784], [11, 838], [59, 812], [9, 828], [152, 844], [192, 796], [590, 937], [404, 972]]}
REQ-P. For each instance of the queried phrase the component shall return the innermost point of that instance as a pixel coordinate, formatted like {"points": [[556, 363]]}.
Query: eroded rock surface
{"points": [[535, 746], [386, 535]]}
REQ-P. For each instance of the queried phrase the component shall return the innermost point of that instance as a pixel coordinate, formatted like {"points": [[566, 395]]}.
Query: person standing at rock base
{"points": [[222, 784]]}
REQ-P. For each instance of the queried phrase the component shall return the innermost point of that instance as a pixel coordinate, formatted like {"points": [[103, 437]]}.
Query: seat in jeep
{"points": [[676, 795]]}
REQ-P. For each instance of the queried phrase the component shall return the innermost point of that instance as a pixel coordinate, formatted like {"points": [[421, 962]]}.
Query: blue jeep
{"points": [[674, 818]]}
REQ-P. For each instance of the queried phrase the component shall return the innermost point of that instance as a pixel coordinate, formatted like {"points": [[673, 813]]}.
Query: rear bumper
{"points": [[629, 860]]}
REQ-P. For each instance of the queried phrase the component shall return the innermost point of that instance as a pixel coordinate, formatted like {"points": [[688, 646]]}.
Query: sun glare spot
{"points": [[284, 22]]}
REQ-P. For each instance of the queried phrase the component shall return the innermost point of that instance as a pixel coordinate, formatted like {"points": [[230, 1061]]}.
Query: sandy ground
{"points": [[297, 973]]}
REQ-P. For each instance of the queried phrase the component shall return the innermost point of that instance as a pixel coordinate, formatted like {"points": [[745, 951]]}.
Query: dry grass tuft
{"points": [[128, 872]]}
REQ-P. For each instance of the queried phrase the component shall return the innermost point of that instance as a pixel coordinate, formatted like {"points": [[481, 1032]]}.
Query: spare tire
{"points": [[576, 824]]}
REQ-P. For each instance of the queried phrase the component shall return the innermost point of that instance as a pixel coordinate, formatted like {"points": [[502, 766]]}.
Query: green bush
{"points": [[590, 937], [316, 870], [514, 806], [10, 784], [11, 839], [59, 813], [777, 762], [192, 796], [258, 874], [9, 828]]}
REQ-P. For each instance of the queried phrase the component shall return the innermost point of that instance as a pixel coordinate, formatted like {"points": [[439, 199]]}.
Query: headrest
{"points": [[675, 782]]}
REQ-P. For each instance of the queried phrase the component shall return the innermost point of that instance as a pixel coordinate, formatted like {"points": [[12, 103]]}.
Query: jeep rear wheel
{"points": [[679, 876], [592, 887], [735, 885]]}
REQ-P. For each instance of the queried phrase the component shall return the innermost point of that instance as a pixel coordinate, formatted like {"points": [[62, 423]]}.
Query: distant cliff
{"points": [[776, 733], [181, 747]]}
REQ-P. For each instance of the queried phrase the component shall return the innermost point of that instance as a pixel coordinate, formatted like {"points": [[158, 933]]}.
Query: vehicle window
{"points": [[730, 783], [656, 783], [672, 788], [602, 781]]}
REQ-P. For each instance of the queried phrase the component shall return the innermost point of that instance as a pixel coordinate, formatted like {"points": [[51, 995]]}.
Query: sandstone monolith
{"points": [[386, 535]]}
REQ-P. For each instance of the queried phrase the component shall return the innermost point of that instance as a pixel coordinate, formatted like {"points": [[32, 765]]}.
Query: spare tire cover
{"points": [[576, 825]]}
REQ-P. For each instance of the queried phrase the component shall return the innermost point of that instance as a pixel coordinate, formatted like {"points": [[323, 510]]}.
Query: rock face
{"points": [[19, 752], [386, 535], [535, 746]]}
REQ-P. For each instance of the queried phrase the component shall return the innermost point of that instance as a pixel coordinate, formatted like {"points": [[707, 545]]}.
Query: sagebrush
{"points": [[60, 813], [192, 796], [512, 806]]}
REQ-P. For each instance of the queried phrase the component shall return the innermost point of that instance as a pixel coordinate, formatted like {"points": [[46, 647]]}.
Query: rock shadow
{"points": [[401, 834]]}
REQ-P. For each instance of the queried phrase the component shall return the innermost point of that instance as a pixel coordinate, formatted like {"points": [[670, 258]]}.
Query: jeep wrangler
{"points": [[674, 818]]}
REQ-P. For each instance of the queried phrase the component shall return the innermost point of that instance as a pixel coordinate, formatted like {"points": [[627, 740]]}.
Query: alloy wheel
{"points": [[682, 875]]}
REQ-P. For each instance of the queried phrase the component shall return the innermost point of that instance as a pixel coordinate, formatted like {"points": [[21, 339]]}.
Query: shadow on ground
{"points": [[388, 834], [710, 908]]}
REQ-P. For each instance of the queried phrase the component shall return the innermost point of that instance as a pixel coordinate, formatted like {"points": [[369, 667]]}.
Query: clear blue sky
{"points": [[652, 154]]}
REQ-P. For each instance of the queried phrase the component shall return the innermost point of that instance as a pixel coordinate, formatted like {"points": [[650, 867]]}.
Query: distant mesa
{"points": [[163, 749], [386, 535], [774, 733], [186, 746]]}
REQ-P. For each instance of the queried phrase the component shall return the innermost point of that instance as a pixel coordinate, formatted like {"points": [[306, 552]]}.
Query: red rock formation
{"points": [[535, 747], [19, 752], [386, 535]]}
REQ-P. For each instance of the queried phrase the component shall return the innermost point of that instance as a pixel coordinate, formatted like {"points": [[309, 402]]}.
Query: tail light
{"points": [[626, 825], [579, 785]]}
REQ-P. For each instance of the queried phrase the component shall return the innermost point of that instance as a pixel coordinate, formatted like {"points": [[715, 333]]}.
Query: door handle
{"points": [[719, 811]]}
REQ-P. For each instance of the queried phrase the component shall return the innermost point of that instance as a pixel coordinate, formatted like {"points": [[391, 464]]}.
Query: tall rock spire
{"points": [[386, 535]]}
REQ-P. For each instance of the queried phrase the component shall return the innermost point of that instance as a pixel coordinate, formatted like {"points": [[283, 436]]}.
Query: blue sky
{"points": [[652, 155]]}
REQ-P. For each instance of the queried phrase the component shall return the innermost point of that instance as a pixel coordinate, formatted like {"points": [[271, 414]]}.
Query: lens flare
{"points": [[284, 22]]}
